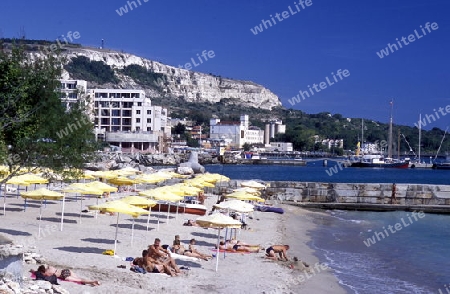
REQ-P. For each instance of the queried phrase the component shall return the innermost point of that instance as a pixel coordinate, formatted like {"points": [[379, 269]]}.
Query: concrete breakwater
{"points": [[361, 196]]}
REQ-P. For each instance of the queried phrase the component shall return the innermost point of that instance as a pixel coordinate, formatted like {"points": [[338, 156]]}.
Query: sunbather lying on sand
{"points": [[274, 249], [64, 274], [237, 247], [237, 242], [192, 251], [191, 222]]}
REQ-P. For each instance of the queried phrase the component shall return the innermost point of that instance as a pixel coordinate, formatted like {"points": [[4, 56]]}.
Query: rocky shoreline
{"points": [[114, 160]]}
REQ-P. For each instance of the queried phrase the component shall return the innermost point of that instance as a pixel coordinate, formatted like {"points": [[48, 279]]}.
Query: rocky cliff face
{"points": [[180, 83]]}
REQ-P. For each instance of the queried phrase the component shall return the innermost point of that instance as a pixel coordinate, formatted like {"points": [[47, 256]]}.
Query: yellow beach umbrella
{"points": [[101, 186], [163, 196], [141, 202], [248, 190], [123, 181], [119, 207], [244, 196], [219, 221], [82, 188], [44, 194]]}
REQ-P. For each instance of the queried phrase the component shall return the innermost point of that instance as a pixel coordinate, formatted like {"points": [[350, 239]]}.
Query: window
{"points": [[115, 112], [149, 120], [138, 120], [139, 103], [149, 112], [138, 112], [149, 129]]}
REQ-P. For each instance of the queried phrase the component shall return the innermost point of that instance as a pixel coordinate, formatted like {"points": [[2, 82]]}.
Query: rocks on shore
{"points": [[12, 280]]}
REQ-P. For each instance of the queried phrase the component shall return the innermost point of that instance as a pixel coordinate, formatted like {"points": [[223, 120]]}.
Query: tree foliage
{"points": [[144, 77], [83, 68], [35, 129]]}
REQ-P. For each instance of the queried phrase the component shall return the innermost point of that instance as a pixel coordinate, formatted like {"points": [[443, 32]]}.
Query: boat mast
{"points": [[420, 132], [362, 133], [390, 132]]}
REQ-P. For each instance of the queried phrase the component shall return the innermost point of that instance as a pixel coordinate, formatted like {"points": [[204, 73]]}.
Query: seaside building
{"points": [[280, 147], [72, 91], [126, 118], [272, 128], [236, 132]]}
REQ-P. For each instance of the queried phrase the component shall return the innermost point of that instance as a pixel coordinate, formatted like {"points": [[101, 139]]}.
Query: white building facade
{"points": [[126, 118], [72, 91], [238, 133]]}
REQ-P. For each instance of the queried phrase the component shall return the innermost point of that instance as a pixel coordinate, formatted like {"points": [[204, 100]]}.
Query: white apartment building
{"points": [[281, 146], [126, 118], [72, 91], [238, 133]]}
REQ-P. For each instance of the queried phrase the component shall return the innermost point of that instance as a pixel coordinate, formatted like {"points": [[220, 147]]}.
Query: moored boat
{"points": [[197, 209]]}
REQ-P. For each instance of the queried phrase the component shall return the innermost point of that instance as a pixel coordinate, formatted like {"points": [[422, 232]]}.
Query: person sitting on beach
{"points": [[236, 247], [192, 251], [177, 247], [280, 249], [64, 274], [201, 197], [162, 255]]}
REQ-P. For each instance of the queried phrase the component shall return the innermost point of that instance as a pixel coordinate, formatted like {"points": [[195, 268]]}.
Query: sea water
{"points": [[413, 259], [410, 258]]}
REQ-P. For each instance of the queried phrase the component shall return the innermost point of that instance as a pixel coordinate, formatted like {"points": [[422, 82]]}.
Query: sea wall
{"points": [[363, 193]]}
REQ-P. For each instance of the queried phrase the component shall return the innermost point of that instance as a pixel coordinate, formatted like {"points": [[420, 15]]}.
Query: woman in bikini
{"points": [[65, 274]]}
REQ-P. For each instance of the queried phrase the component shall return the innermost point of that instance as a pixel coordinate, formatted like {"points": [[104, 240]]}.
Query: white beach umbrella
{"points": [[217, 221]]}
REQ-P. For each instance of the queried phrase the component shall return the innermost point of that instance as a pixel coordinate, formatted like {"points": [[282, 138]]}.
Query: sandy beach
{"points": [[79, 247]]}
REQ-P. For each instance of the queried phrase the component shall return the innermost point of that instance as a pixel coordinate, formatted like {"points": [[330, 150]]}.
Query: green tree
{"points": [[246, 147], [35, 129], [179, 129]]}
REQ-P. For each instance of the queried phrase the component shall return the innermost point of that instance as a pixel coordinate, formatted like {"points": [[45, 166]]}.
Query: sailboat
{"points": [[418, 163], [377, 160], [441, 165]]}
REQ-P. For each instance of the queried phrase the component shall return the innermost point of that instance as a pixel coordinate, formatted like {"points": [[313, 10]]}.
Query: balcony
{"points": [[131, 137]]}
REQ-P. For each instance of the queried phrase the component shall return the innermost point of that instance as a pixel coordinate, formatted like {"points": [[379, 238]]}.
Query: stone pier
{"points": [[356, 195]]}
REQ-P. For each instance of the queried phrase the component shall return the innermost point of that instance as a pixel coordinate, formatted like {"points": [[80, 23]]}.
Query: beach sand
{"points": [[79, 247]]}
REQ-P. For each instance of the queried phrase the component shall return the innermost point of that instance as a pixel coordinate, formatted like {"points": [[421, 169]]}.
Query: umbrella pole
{"points": [[96, 211], [225, 251], [168, 210], [4, 201], [159, 214], [115, 237], [132, 232], [218, 250], [40, 217], [81, 207], [148, 217], [62, 211], [178, 205]]}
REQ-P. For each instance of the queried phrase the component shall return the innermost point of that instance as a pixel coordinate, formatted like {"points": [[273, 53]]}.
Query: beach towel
{"points": [[229, 251], [184, 257]]}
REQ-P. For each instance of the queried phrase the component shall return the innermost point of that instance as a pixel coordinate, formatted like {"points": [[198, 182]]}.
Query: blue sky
{"points": [[303, 49]]}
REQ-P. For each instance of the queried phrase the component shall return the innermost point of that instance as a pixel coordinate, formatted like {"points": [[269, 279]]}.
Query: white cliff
{"points": [[188, 85]]}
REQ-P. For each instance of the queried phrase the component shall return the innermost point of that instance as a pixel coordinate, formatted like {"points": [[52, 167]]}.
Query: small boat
{"points": [[197, 209], [268, 208], [379, 161], [443, 165]]}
